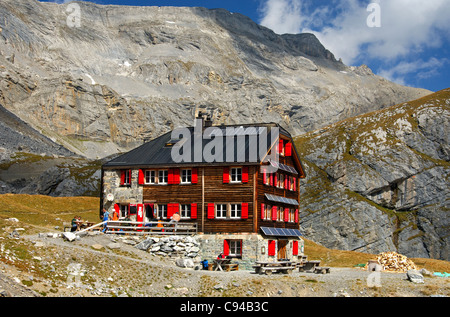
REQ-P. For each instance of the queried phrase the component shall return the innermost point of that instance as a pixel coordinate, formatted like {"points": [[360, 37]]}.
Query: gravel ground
{"points": [[128, 271]]}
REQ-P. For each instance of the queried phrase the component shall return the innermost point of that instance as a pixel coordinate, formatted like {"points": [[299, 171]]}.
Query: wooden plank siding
{"points": [[262, 189], [218, 192]]}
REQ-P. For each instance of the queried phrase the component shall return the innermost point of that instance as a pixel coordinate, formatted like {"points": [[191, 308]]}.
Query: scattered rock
{"points": [[414, 276], [185, 262], [97, 246]]}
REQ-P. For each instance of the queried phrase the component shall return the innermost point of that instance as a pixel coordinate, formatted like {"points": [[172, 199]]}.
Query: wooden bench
{"points": [[309, 266], [231, 267], [269, 269], [321, 270]]}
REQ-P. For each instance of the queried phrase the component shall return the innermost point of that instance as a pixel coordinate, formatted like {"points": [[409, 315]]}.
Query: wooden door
{"points": [[281, 254]]}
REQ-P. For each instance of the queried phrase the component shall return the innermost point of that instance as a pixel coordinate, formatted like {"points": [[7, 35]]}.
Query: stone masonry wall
{"points": [[132, 194]]}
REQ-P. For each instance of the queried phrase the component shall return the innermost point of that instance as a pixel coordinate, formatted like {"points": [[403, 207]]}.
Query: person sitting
{"points": [[74, 224]]}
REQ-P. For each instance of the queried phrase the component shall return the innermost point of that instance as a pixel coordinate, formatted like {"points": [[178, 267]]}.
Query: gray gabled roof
{"points": [[158, 152]]}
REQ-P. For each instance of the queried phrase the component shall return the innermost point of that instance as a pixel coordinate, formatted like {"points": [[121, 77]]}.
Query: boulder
{"points": [[185, 262], [414, 276]]}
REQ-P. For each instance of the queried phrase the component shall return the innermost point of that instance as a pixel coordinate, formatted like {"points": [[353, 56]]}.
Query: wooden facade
{"points": [[221, 198]]}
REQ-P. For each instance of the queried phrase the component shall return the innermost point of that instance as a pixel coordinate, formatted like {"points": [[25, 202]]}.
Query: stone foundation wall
{"points": [[254, 248], [132, 194]]}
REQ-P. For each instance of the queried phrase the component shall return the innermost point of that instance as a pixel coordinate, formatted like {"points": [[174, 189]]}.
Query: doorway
{"points": [[282, 254]]}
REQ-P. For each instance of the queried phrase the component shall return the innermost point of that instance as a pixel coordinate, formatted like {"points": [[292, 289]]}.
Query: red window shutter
{"points": [[296, 216], [295, 248], [275, 183], [244, 211], [286, 182], [226, 175], [210, 211], [176, 175], [245, 174], [226, 247], [264, 177], [170, 176], [117, 208], [274, 213], [169, 210], [193, 211], [141, 177], [122, 177], [263, 207], [129, 177], [271, 179], [288, 149], [286, 214], [280, 146], [271, 248], [294, 179], [194, 177]]}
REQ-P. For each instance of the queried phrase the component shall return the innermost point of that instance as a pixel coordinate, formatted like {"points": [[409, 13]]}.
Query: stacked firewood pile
{"points": [[395, 262]]}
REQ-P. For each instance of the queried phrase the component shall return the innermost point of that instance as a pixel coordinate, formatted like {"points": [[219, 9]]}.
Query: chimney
{"points": [[204, 119]]}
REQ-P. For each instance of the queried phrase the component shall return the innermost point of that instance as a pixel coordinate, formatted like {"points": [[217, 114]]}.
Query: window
{"points": [[125, 177], [185, 211], [235, 247], [186, 176], [124, 211], [161, 212], [150, 177], [235, 211], [280, 214], [221, 210], [267, 212], [236, 175], [291, 215], [280, 181], [163, 176]]}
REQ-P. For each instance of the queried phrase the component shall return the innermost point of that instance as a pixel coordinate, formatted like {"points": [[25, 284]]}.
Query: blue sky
{"points": [[406, 41]]}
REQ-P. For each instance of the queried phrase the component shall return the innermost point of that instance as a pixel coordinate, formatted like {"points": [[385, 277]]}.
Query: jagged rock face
{"points": [[128, 74], [379, 182]]}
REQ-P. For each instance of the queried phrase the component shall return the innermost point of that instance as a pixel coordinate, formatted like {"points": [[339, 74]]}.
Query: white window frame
{"points": [[185, 211], [280, 180], [236, 175], [280, 214], [235, 246], [161, 211], [186, 176], [267, 212], [165, 177], [235, 211], [222, 211], [127, 178], [149, 174]]}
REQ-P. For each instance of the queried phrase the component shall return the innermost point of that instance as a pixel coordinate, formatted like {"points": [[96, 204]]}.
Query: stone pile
{"points": [[173, 246], [395, 262]]}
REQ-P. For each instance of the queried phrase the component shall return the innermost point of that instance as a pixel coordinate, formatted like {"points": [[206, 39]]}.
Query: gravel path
{"points": [[129, 271]]}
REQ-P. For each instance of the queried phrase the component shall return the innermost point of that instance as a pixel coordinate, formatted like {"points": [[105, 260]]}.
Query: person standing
{"points": [[105, 218]]}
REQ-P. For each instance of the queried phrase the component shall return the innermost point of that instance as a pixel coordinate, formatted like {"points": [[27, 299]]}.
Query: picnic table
{"points": [[277, 266]]}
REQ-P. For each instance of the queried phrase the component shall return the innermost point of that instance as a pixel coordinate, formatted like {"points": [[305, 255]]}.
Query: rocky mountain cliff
{"points": [[380, 181], [73, 94], [127, 74]]}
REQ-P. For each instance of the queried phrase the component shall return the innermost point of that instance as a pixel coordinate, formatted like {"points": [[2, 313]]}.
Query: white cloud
{"points": [[282, 16], [422, 69], [407, 26]]}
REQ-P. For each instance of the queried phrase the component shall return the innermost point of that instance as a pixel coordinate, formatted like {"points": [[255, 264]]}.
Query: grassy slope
{"points": [[35, 212]]}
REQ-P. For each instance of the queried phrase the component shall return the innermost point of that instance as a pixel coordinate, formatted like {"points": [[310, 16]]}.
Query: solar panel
{"points": [[281, 232], [281, 199], [283, 167]]}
